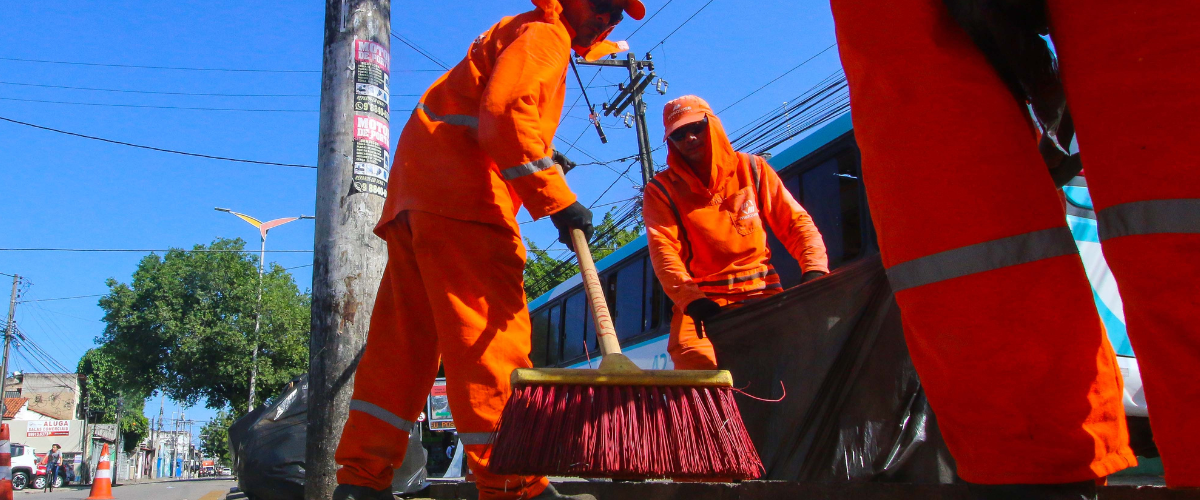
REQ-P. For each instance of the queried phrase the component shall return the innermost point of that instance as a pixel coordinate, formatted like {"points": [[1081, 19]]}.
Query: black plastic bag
{"points": [[268, 446], [854, 408]]}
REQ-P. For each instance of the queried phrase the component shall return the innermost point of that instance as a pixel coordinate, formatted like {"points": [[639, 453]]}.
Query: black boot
{"points": [[1083, 490], [551, 494], [356, 492]]}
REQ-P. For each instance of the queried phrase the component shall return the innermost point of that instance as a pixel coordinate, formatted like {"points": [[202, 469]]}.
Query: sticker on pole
{"points": [[372, 134], [438, 410]]}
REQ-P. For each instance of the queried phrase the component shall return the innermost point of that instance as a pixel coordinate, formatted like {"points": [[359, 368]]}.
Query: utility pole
{"points": [[353, 163], [10, 330], [117, 462], [631, 95]]}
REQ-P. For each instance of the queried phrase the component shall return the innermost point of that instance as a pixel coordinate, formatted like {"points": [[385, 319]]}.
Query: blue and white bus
{"points": [[822, 171]]}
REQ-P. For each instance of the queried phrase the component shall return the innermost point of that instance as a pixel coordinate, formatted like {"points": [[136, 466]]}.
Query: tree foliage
{"points": [[185, 325], [214, 437], [104, 384], [543, 272]]}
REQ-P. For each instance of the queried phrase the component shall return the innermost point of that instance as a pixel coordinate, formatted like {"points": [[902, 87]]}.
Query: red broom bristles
{"points": [[624, 432]]}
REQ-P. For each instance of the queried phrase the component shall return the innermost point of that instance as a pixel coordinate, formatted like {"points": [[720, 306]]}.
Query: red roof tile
{"points": [[12, 406]]}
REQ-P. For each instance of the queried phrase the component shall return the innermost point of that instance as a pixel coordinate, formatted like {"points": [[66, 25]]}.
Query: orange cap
{"points": [[635, 9], [682, 111]]}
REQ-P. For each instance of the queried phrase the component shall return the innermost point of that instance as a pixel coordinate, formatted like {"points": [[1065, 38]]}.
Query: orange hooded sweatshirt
{"points": [[478, 144], [721, 247]]}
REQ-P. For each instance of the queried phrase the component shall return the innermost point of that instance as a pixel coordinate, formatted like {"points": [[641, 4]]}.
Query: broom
{"points": [[620, 421]]}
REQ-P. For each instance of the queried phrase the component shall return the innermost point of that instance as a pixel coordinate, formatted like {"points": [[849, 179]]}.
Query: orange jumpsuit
{"points": [[477, 147], [998, 312], [720, 251]]}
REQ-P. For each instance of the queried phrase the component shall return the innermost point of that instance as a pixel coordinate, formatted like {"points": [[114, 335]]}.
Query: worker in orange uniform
{"points": [[998, 312], [704, 220], [477, 147]]}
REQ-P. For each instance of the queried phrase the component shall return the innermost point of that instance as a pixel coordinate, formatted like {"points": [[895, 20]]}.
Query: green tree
{"points": [[185, 325], [214, 437], [102, 390], [543, 272]]}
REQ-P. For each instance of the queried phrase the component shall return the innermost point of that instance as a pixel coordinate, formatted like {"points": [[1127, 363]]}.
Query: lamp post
{"points": [[263, 227]]}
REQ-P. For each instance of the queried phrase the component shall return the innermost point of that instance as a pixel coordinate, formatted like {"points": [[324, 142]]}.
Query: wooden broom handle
{"points": [[605, 332]]}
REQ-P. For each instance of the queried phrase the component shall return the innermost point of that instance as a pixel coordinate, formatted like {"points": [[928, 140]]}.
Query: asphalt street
{"points": [[190, 489]]}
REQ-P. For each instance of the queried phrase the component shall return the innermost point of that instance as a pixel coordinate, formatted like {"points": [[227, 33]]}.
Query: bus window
{"points": [[852, 216], [653, 297], [823, 200], [540, 329], [575, 316], [628, 303], [554, 334]]}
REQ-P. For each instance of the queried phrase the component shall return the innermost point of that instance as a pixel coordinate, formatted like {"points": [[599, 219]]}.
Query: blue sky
{"points": [[66, 192]]}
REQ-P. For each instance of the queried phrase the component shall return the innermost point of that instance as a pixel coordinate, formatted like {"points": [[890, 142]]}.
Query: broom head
{"points": [[621, 421]]}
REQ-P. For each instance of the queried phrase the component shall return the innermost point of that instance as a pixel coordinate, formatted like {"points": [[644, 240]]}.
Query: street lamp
{"points": [[263, 227]]}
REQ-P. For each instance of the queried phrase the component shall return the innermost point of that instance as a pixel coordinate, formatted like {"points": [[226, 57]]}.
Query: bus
{"points": [[823, 172]]}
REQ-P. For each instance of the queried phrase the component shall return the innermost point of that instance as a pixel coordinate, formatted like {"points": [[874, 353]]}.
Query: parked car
{"points": [[24, 466], [226, 471], [39, 482]]}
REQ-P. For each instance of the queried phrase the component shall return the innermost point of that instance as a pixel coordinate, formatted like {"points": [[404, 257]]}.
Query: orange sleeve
{"points": [[662, 233], [791, 222], [511, 127]]}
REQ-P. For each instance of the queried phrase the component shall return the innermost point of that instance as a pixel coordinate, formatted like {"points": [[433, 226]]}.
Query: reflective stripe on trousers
{"points": [[382, 414], [982, 257]]}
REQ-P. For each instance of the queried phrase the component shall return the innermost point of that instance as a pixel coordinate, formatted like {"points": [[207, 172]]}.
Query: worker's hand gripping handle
{"points": [[605, 332]]}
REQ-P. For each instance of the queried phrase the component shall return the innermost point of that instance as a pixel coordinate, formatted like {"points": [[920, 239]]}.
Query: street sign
{"points": [[438, 407]]}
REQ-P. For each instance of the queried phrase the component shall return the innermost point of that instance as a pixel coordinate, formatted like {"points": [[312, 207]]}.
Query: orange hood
{"points": [[724, 159]]}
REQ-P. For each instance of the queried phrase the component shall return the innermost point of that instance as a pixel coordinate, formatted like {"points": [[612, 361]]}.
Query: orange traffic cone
{"points": [[6, 491], [102, 482]]}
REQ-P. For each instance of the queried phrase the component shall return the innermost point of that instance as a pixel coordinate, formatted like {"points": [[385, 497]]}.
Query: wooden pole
{"points": [[353, 162], [9, 331]]}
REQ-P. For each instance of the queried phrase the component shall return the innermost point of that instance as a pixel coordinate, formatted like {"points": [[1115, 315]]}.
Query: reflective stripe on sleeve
{"points": [[1149, 217], [464, 120], [473, 438], [524, 169], [982, 257], [381, 414]]}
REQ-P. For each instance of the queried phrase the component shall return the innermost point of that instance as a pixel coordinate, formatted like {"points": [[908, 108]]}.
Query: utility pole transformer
{"points": [[348, 261]]}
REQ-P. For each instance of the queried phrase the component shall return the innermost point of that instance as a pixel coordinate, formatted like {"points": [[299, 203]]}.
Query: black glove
{"points": [[575, 216], [701, 310], [811, 275], [563, 161]]}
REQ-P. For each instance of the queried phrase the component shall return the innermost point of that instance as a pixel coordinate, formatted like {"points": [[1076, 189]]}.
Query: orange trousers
{"points": [[998, 312], [690, 352], [452, 293]]}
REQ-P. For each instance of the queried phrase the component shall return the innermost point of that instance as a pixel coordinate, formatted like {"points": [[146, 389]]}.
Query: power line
{"points": [[152, 148], [163, 92], [150, 106], [681, 25], [647, 21], [184, 68], [419, 50], [144, 250], [62, 298], [773, 80]]}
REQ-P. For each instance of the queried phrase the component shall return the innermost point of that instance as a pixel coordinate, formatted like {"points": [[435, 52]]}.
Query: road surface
{"points": [[191, 489]]}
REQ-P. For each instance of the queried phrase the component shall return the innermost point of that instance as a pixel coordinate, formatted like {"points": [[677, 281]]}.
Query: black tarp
{"points": [[268, 449], [854, 408]]}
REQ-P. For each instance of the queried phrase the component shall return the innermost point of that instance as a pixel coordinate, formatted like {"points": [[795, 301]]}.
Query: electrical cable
{"points": [[62, 298], [142, 250], [152, 148], [785, 73], [423, 52], [157, 92], [185, 68], [681, 25], [150, 106], [647, 21]]}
